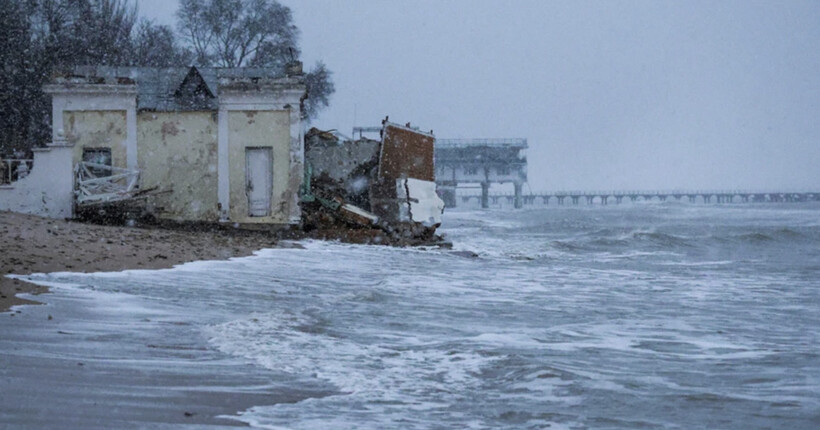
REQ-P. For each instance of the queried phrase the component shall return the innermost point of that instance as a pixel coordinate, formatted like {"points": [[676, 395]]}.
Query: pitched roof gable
{"points": [[168, 89], [193, 92]]}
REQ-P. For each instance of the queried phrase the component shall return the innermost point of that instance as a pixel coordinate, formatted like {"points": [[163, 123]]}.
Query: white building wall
{"points": [[48, 190], [245, 101]]}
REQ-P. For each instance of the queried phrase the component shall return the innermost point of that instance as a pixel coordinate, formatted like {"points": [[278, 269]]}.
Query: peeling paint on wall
{"points": [[178, 153], [97, 129], [169, 127]]}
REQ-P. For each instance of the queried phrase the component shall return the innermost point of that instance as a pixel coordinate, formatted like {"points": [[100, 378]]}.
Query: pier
{"points": [[618, 197], [480, 162]]}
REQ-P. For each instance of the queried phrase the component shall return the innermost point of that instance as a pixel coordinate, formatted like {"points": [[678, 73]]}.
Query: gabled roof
{"points": [[193, 83], [175, 88], [193, 92]]}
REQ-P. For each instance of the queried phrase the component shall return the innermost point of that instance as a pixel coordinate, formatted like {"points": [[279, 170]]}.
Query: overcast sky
{"points": [[610, 94]]}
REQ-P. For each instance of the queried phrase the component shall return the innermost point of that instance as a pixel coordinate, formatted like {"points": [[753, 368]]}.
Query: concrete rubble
{"points": [[372, 191]]}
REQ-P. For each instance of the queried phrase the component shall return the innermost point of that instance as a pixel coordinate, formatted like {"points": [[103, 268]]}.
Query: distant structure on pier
{"points": [[482, 162]]}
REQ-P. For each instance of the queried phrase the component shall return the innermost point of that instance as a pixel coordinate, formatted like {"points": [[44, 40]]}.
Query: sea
{"points": [[635, 316]]}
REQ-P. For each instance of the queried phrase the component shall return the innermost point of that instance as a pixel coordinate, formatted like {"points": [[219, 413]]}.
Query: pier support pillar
{"points": [[518, 204], [485, 194], [448, 195]]}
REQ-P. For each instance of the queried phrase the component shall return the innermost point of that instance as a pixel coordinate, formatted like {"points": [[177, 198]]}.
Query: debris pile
{"points": [[372, 191], [108, 194]]}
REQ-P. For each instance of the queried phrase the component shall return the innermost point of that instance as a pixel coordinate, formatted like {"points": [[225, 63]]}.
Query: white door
{"points": [[259, 180]]}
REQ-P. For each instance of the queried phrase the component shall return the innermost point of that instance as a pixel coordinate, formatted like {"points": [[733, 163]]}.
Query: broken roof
{"points": [[175, 88]]}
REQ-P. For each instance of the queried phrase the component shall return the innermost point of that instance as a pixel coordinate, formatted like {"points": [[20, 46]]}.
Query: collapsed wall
{"points": [[48, 190], [386, 186]]}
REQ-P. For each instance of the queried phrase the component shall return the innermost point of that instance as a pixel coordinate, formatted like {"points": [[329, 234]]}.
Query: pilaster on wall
{"points": [[223, 190], [131, 135], [297, 160], [232, 100]]}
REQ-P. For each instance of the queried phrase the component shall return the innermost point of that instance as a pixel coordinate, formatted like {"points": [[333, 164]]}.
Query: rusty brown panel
{"points": [[406, 153]]}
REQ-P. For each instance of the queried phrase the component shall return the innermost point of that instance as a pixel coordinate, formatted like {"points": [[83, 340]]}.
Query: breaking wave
{"points": [[555, 318]]}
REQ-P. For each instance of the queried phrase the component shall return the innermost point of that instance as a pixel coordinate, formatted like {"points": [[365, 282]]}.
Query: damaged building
{"points": [[386, 185], [211, 144], [222, 145]]}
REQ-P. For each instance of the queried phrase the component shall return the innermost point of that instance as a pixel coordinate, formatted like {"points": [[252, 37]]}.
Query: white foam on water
{"points": [[105, 303], [394, 371], [422, 338]]}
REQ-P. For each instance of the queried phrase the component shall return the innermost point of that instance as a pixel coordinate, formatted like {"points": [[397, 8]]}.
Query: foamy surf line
{"points": [[106, 321], [520, 337]]}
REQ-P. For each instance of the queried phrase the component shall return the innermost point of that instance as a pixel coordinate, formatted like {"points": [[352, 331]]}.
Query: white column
{"points": [[131, 159], [57, 108], [222, 164], [297, 162]]}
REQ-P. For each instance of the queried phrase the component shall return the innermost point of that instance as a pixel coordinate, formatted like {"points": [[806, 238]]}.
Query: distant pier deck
{"points": [[618, 197]]}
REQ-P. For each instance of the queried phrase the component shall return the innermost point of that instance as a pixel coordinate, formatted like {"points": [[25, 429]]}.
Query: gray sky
{"points": [[609, 94]]}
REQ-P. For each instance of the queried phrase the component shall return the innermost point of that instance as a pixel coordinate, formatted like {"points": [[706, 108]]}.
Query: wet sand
{"points": [[31, 244], [57, 379]]}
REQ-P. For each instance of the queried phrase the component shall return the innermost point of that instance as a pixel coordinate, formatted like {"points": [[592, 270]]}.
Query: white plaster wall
{"points": [[281, 100], [177, 154], [48, 190], [260, 129]]}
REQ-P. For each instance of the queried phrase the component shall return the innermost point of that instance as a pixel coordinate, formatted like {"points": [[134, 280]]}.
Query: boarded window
{"points": [[100, 156]]}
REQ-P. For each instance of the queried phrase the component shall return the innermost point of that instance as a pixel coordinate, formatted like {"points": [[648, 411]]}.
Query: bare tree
{"points": [[155, 46], [236, 33], [319, 88], [16, 66], [99, 31], [38, 37]]}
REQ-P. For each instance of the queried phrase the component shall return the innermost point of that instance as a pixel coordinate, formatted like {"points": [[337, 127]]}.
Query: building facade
{"points": [[216, 144]]}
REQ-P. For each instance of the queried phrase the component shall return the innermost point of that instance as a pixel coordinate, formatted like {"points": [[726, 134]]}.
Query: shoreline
{"points": [[176, 396], [32, 244]]}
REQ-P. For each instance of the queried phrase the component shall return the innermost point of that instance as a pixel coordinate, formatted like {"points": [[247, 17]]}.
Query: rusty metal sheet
{"points": [[406, 153]]}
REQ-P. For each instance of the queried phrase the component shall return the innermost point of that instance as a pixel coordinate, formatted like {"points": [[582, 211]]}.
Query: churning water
{"points": [[638, 316]]}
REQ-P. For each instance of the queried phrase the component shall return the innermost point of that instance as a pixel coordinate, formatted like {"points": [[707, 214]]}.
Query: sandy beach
{"points": [[32, 244], [58, 377], [95, 392]]}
